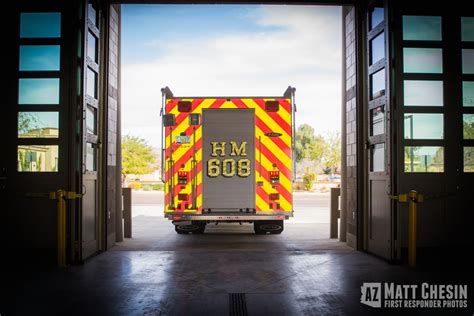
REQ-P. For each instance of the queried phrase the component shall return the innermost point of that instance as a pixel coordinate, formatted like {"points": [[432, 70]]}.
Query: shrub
{"points": [[147, 187], [158, 186], [135, 185], [308, 180]]}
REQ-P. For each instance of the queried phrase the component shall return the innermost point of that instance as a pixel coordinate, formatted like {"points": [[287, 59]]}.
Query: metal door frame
{"points": [[94, 137], [386, 138]]}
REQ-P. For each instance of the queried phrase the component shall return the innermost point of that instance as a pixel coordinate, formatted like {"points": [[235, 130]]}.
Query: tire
{"points": [[271, 227], [256, 228], [197, 227], [201, 225], [179, 231]]}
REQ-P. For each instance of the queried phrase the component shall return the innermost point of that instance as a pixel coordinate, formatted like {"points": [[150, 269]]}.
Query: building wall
{"points": [[350, 97], [113, 205]]}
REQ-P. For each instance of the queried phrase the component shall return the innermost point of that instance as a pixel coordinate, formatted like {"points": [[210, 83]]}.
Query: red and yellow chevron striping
{"points": [[271, 153]]}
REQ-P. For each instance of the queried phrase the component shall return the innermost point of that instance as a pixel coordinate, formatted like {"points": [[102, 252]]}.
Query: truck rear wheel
{"points": [[271, 227], [197, 227]]}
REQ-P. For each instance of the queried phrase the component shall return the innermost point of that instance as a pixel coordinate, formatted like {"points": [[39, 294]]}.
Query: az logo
{"points": [[371, 294]]}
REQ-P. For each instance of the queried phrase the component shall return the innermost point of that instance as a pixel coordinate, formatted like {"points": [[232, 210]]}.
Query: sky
{"points": [[230, 50]]}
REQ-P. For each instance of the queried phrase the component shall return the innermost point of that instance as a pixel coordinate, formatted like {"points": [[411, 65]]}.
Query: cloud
{"points": [[302, 49]]}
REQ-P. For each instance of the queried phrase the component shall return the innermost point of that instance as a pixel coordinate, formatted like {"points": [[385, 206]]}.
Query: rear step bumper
{"points": [[227, 217]]}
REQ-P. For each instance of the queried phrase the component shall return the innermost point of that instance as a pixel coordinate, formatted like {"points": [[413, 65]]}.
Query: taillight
{"points": [[184, 106], [272, 106], [182, 196], [274, 177], [274, 196], [182, 177]]}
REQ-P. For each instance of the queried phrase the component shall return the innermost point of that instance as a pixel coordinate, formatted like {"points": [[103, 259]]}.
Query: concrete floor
{"points": [[158, 272]]}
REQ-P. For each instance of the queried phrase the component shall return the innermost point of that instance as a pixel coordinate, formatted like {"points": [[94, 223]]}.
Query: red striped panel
{"points": [[264, 195], [272, 158], [217, 103], [280, 188], [186, 156], [183, 115], [188, 132], [239, 103], [276, 140], [177, 187], [275, 116], [265, 129], [172, 103], [285, 104]]}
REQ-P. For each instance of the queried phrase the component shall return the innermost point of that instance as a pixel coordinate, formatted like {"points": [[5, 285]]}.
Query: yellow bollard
{"points": [[61, 196], [413, 199]]}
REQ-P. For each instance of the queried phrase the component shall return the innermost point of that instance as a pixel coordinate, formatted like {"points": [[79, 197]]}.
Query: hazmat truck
{"points": [[228, 159]]}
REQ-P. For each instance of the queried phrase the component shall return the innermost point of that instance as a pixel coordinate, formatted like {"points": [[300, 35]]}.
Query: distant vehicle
{"points": [[228, 159], [298, 179], [334, 178]]}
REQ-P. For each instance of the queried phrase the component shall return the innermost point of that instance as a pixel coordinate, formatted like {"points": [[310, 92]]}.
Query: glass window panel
{"points": [[468, 61], [92, 46], [423, 60], [423, 93], [424, 159], [38, 91], [468, 93], [39, 57], [377, 48], [376, 17], [91, 83], [91, 157], [423, 126], [378, 121], [467, 29], [38, 124], [378, 158], [468, 126], [468, 159], [92, 14], [91, 119], [377, 83], [421, 28], [79, 44], [35, 25], [38, 158]]}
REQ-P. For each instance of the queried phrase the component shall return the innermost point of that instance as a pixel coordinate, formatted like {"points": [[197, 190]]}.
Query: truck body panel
{"points": [[237, 159]]}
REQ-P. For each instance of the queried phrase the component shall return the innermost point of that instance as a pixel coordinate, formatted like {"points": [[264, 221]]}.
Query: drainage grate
{"points": [[237, 304]]}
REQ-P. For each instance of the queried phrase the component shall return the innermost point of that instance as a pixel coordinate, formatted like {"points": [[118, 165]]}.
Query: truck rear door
{"points": [[228, 160]]}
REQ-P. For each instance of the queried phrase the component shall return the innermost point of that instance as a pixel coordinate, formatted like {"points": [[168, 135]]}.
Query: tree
{"points": [[468, 126], [137, 156], [304, 136], [332, 153], [27, 122], [308, 145]]}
